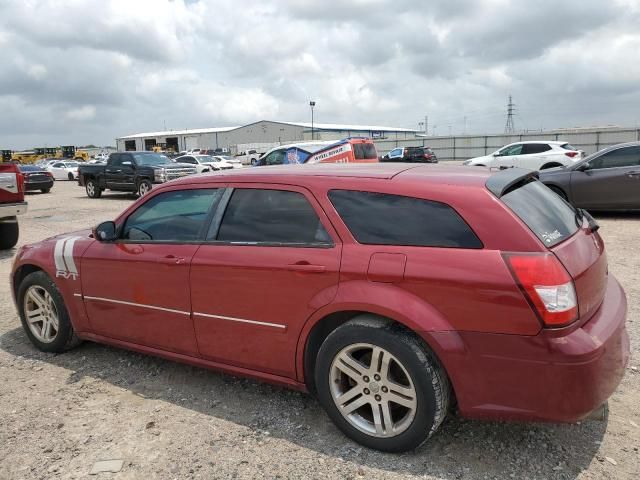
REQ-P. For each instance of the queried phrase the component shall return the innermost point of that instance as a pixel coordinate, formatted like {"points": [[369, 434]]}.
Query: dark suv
{"points": [[411, 155]]}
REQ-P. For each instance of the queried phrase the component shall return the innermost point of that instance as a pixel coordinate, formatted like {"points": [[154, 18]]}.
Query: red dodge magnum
{"points": [[392, 292]]}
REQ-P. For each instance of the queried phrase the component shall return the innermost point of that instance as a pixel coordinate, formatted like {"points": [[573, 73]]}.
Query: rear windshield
{"points": [[363, 151], [551, 218]]}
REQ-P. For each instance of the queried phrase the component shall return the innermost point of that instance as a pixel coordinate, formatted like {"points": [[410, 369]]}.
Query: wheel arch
{"points": [[20, 274], [551, 165], [440, 343]]}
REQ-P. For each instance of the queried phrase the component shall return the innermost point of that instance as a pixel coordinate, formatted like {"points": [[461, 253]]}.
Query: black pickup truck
{"points": [[134, 172]]}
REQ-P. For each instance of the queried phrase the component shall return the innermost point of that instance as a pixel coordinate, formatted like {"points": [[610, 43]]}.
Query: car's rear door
{"points": [[271, 263], [137, 288], [611, 180]]}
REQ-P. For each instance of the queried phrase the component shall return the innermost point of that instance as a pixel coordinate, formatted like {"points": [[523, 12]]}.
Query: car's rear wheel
{"points": [[381, 385], [550, 165], [93, 191], [9, 232], [45, 190], [44, 315]]}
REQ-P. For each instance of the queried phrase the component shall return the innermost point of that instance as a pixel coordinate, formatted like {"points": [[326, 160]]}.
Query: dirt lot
{"points": [[59, 414]]}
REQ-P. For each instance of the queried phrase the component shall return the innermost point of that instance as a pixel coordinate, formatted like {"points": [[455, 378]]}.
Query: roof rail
{"points": [[500, 183]]}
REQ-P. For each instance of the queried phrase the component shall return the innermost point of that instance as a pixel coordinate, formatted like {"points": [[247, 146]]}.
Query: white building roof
{"points": [[169, 133], [318, 126]]}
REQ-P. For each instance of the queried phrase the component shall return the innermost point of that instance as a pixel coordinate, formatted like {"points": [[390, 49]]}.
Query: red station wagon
{"points": [[392, 292]]}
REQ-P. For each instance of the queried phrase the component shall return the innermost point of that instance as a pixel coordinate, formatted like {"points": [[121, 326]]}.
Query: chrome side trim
{"points": [[77, 295], [122, 302], [242, 320]]}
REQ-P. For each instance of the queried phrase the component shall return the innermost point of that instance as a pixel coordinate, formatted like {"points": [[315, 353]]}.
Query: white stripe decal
{"points": [[242, 320], [121, 302], [68, 254], [57, 255]]}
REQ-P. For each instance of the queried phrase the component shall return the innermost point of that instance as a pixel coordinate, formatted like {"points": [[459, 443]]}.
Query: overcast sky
{"points": [[86, 71]]}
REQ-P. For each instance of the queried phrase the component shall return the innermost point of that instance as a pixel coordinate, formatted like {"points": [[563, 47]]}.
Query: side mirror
{"points": [[583, 167], [105, 232], [495, 154]]}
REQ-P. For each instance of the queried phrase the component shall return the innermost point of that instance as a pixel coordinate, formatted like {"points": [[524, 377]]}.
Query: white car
{"points": [[228, 159], [63, 170], [101, 157], [534, 155], [204, 163]]}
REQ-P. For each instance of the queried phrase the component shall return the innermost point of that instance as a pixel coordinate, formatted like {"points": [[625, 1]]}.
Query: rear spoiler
{"points": [[504, 181]]}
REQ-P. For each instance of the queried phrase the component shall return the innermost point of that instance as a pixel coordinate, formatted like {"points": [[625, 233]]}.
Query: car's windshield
{"points": [[71, 164], [226, 158], [205, 158], [150, 159]]}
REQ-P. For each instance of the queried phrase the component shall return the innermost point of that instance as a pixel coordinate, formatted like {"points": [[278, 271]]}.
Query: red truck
{"points": [[12, 203]]}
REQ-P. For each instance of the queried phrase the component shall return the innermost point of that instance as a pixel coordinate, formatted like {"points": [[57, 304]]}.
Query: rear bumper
{"points": [[30, 186], [551, 376], [12, 209]]}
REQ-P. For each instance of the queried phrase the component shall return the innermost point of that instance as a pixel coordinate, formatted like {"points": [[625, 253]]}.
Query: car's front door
{"points": [[136, 289], [273, 261], [506, 157], [611, 180]]}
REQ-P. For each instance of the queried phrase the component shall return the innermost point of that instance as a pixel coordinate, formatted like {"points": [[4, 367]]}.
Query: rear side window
{"points": [[544, 212], [271, 217], [364, 151], [383, 219], [568, 146], [529, 148]]}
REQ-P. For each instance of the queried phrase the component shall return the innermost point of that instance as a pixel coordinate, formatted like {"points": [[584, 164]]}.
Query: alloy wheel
{"points": [[373, 390], [41, 314]]}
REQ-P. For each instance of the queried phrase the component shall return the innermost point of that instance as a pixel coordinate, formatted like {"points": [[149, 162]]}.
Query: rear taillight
{"points": [[547, 285], [571, 154], [20, 180]]}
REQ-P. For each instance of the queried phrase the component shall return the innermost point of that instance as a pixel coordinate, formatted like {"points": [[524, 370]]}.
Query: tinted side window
{"points": [[364, 150], [512, 150], [271, 216], [622, 157], [383, 219], [535, 148], [545, 213], [173, 216]]}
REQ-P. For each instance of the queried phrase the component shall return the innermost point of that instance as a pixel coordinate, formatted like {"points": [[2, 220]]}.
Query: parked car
{"points": [[201, 162], [63, 170], [102, 156], [606, 180], [349, 150], [134, 172], [235, 163], [36, 178], [249, 157], [410, 154], [386, 290], [12, 203], [534, 155]]}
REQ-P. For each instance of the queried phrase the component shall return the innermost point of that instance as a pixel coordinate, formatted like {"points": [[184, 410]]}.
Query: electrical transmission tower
{"points": [[509, 128]]}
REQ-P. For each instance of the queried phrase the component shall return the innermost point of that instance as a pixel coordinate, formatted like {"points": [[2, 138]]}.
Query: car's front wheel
{"points": [[380, 385], [70, 176], [144, 187], [93, 191], [44, 315]]}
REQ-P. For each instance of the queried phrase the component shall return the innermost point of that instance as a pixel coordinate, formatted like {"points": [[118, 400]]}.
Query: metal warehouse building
{"points": [[264, 132]]}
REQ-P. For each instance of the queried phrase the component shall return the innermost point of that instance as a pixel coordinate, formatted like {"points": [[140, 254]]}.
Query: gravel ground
{"points": [[62, 413]]}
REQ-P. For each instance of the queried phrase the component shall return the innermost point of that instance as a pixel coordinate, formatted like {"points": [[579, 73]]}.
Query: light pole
{"points": [[312, 104]]}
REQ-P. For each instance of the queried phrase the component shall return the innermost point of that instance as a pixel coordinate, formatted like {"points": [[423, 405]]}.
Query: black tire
{"points": [[70, 177], [429, 379], [92, 189], [144, 187], [65, 337], [558, 191], [45, 190], [550, 165], [9, 232]]}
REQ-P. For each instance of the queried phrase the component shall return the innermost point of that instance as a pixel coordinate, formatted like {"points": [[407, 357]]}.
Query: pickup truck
{"points": [[12, 204], [134, 172]]}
